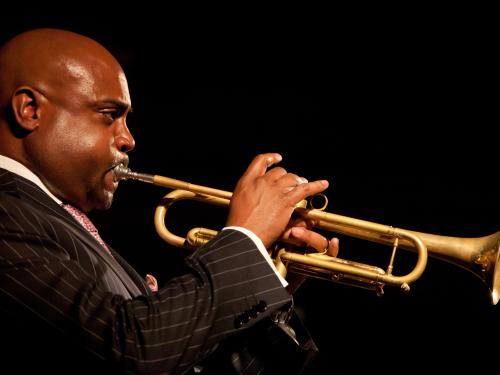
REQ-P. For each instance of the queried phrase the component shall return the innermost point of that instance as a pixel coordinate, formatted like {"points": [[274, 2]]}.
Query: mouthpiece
{"points": [[120, 172]]}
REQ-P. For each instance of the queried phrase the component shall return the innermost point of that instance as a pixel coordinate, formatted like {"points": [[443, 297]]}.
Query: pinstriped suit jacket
{"points": [[66, 305]]}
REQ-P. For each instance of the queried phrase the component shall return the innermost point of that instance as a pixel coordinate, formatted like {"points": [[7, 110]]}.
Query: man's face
{"points": [[83, 133]]}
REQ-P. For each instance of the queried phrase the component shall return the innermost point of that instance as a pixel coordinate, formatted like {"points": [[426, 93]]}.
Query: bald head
{"points": [[63, 105], [46, 59]]}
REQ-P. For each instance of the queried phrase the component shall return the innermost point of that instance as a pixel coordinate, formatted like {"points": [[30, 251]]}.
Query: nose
{"points": [[123, 138]]}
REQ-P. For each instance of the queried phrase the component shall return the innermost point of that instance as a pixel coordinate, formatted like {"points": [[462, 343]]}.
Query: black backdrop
{"points": [[401, 119]]}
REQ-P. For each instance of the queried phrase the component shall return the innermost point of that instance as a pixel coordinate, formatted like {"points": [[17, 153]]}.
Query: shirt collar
{"points": [[15, 167]]}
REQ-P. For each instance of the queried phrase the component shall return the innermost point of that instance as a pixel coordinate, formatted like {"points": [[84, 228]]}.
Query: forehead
{"points": [[96, 80]]}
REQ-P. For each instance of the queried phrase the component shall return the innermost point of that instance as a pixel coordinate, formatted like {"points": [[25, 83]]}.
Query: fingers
{"points": [[314, 240], [260, 164], [333, 247], [264, 200], [304, 190], [308, 237], [289, 181]]}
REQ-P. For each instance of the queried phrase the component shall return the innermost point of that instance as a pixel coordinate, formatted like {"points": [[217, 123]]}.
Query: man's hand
{"points": [[264, 200], [299, 234]]}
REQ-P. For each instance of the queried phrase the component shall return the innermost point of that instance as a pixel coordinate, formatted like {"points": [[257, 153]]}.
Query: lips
{"points": [[122, 161], [110, 182]]}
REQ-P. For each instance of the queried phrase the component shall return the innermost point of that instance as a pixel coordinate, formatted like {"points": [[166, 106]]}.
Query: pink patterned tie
{"points": [[86, 223]]}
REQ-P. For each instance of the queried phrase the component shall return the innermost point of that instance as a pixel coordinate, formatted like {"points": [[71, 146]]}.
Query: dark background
{"points": [[400, 114]]}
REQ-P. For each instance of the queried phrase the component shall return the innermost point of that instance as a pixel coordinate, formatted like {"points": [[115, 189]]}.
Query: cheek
{"points": [[81, 145], [83, 142]]}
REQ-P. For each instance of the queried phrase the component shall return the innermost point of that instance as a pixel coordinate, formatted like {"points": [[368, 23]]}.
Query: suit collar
{"points": [[27, 190], [19, 169], [24, 189]]}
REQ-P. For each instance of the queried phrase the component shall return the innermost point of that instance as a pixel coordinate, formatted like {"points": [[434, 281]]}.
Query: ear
{"points": [[25, 108]]}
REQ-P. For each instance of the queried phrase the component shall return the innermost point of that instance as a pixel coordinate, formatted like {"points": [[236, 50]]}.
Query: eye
{"points": [[110, 115]]}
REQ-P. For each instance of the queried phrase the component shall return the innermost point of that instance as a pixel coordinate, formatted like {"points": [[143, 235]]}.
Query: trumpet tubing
{"points": [[477, 255]]}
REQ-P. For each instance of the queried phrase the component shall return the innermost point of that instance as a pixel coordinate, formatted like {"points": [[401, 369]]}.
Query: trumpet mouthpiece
{"points": [[121, 172]]}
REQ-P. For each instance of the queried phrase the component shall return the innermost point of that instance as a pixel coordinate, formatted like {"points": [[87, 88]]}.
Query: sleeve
{"points": [[229, 287], [258, 243]]}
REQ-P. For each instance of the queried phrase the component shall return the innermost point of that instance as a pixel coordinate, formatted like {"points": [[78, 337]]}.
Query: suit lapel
{"points": [[132, 273], [26, 190]]}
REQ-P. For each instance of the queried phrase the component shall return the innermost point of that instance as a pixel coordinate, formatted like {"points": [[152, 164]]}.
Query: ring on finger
{"points": [[327, 247]]}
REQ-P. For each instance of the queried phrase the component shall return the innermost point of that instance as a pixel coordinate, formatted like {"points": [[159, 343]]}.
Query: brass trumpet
{"points": [[477, 255]]}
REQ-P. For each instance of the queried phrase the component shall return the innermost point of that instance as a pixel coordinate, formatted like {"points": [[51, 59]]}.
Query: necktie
{"points": [[90, 227], [86, 223]]}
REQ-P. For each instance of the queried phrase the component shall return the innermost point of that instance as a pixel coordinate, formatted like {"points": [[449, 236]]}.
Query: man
{"points": [[69, 303]]}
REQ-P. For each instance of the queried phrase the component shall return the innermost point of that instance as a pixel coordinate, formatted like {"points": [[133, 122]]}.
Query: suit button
{"points": [[261, 306]]}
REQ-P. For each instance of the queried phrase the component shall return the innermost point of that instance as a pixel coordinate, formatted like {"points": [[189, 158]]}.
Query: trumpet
{"points": [[478, 255]]}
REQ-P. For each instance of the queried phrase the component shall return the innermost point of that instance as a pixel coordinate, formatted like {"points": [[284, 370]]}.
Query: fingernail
{"points": [[275, 158], [324, 182]]}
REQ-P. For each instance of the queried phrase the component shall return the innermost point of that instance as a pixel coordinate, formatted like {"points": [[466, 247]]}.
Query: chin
{"points": [[103, 202], [108, 201], [106, 205]]}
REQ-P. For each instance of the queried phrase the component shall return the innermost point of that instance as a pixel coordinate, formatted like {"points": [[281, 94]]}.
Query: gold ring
{"points": [[326, 248]]}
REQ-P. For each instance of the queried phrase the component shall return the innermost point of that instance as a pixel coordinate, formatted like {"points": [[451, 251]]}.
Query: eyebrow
{"points": [[121, 106]]}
